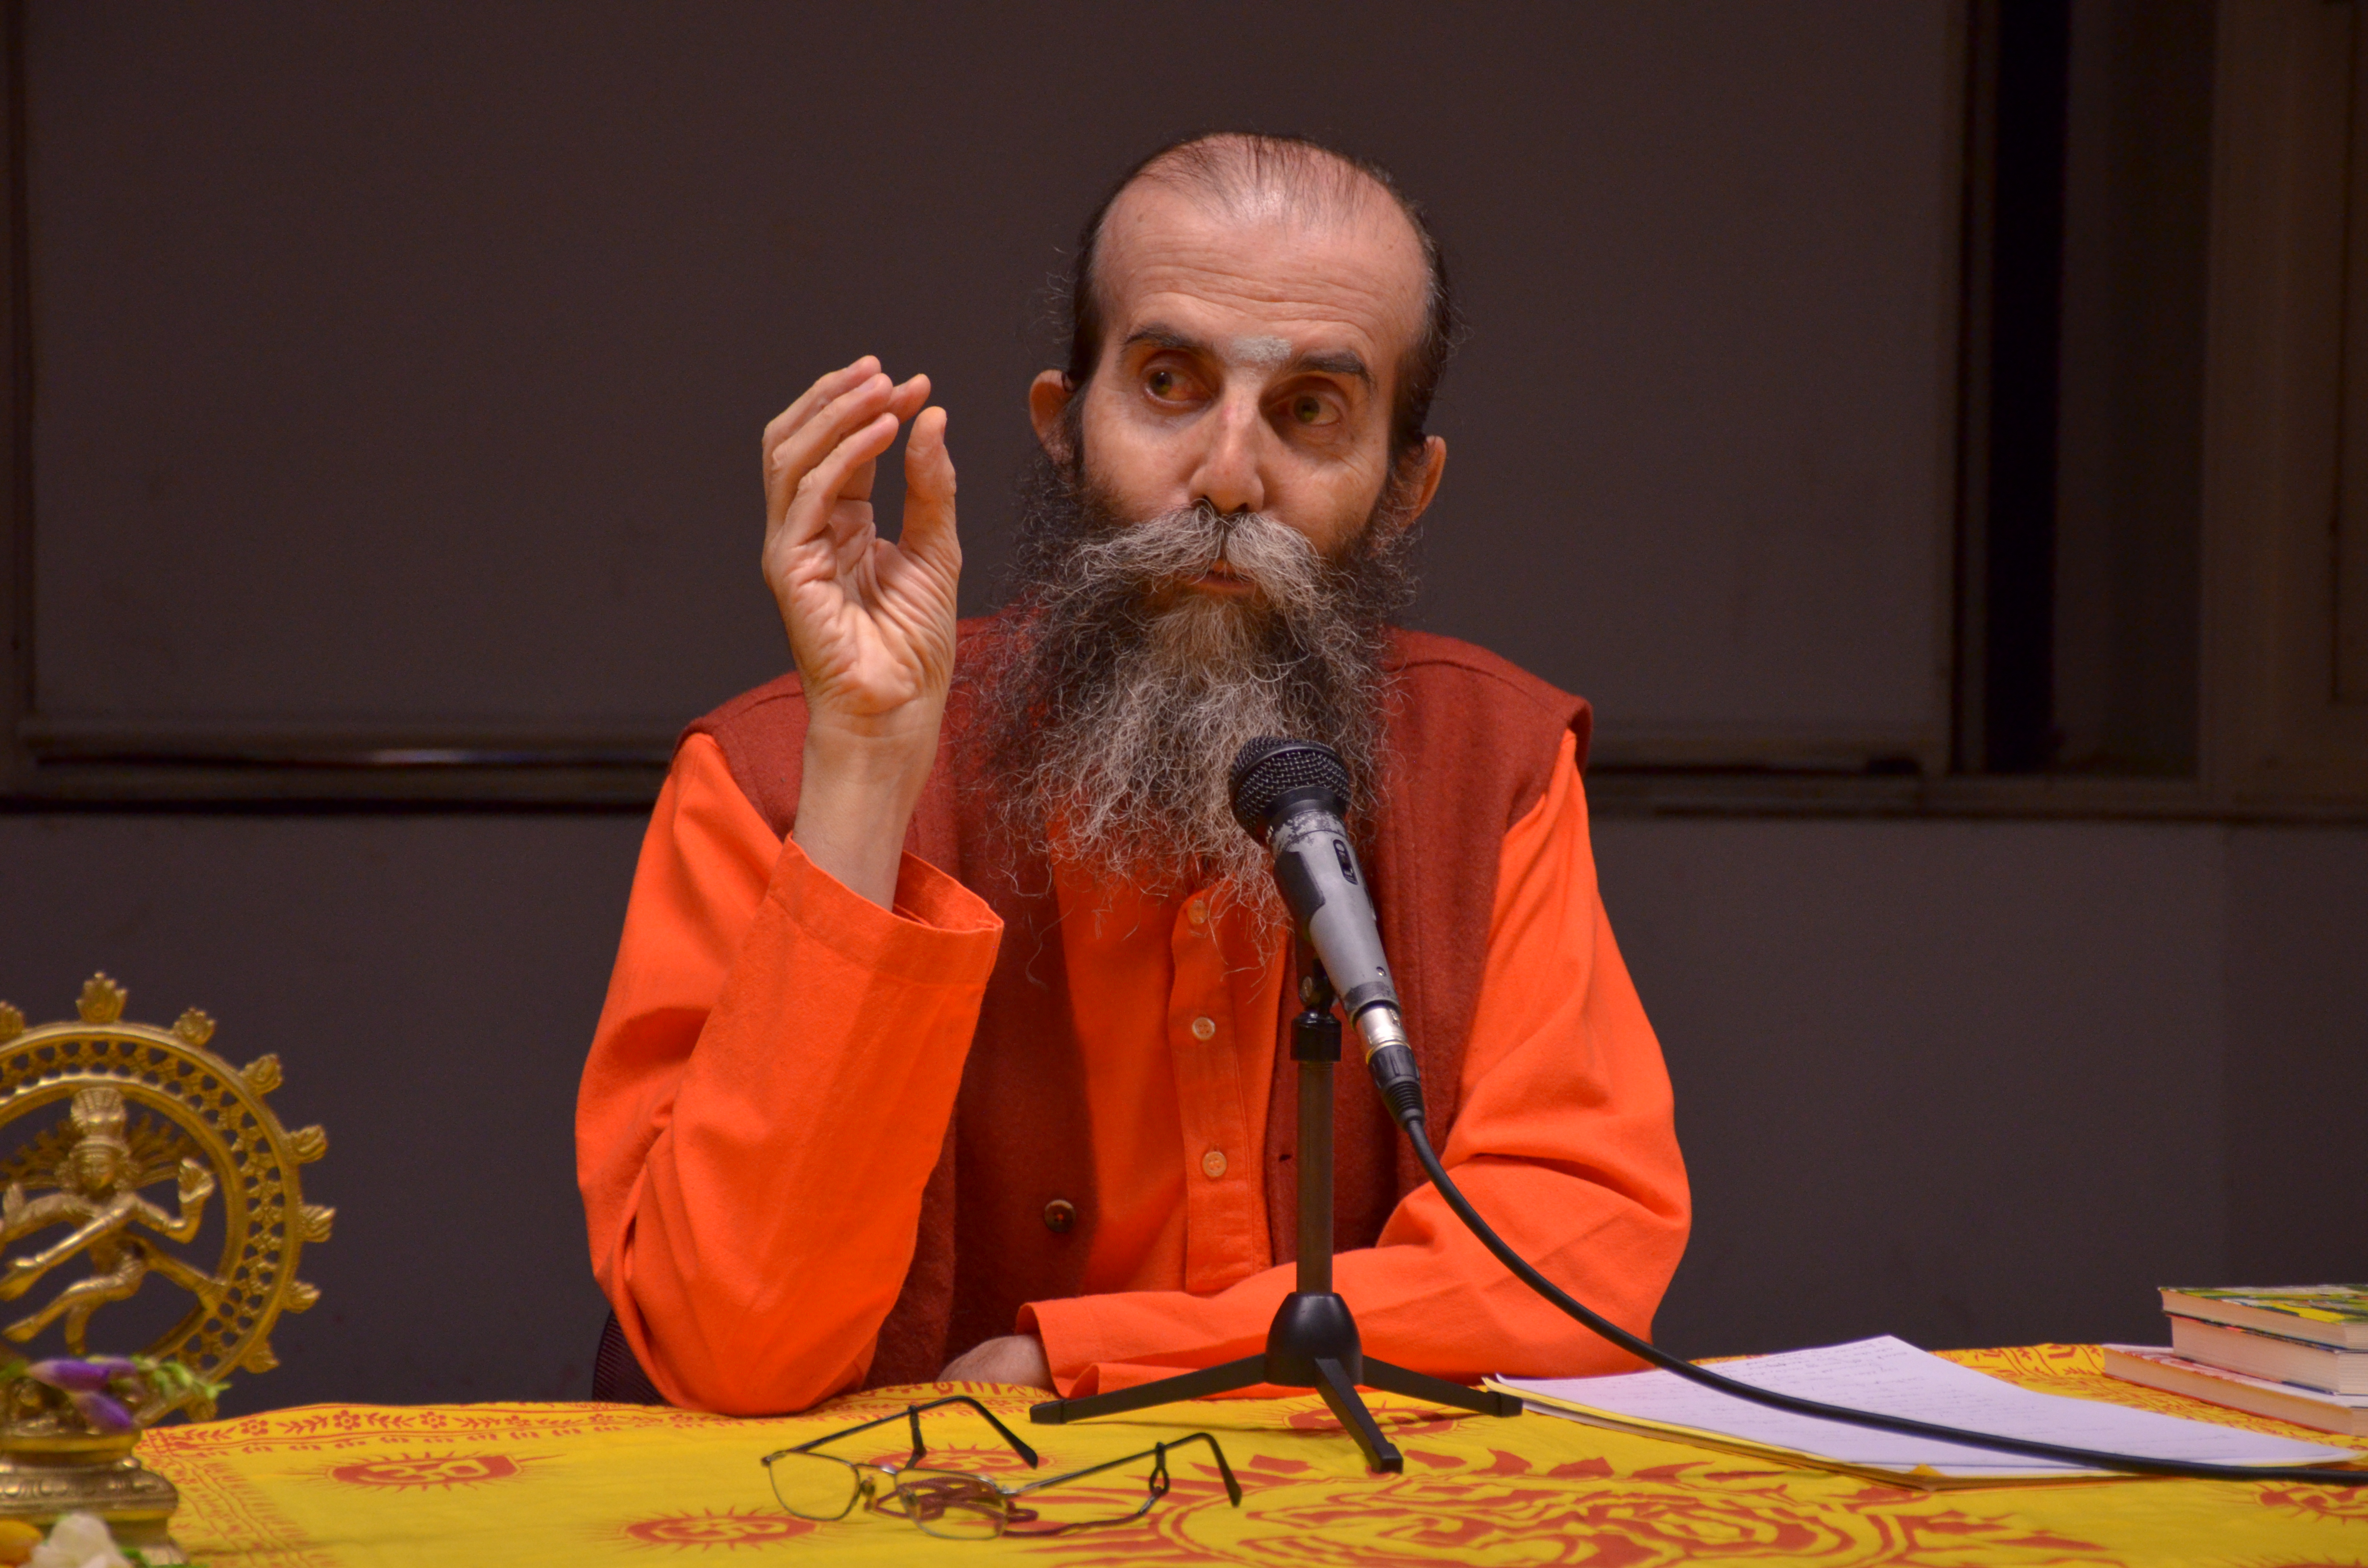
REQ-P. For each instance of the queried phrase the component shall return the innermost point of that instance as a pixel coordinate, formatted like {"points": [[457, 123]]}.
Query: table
{"points": [[355, 1486]]}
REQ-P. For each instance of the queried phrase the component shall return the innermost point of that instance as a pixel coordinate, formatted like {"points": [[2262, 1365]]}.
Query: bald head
{"points": [[1270, 179], [1246, 182]]}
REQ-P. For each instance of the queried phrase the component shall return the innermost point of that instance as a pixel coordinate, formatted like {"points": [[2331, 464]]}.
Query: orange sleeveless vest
{"points": [[1468, 749]]}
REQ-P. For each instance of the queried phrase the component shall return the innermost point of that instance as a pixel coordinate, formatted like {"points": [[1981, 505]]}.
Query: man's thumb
{"points": [[929, 490]]}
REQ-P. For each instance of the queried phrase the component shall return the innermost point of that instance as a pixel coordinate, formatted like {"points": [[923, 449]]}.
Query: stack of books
{"points": [[2296, 1352]]}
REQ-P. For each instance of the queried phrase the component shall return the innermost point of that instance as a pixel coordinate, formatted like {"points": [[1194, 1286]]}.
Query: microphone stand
{"points": [[1312, 1344]]}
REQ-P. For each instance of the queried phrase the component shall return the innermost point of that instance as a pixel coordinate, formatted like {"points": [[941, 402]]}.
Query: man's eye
{"points": [[1312, 411], [1163, 384]]}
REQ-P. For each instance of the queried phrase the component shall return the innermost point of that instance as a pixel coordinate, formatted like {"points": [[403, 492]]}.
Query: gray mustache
{"points": [[1182, 544]]}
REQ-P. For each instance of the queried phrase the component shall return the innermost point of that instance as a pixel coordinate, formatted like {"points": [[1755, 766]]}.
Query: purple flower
{"points": [[71, 1375], [84, 1382], [104, 1412]]}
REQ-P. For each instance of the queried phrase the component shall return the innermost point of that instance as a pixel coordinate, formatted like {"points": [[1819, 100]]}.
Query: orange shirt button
{"points": [[1204, 1027], [1060, 1215], [1214, 1163], [1197, 911]]}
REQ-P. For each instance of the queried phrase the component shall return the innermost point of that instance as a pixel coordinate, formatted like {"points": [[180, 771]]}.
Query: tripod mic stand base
{"points": [[1312, 1344]]}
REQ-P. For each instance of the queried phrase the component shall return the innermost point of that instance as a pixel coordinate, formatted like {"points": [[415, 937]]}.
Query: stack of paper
{"points": [[1890, 1377]]}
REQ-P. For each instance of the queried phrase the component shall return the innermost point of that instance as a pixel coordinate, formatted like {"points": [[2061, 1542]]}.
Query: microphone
{"points": [[1291, 796]]}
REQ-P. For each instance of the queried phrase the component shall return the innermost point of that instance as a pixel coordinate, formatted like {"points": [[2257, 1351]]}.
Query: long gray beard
{"points": [[1119, 713]]}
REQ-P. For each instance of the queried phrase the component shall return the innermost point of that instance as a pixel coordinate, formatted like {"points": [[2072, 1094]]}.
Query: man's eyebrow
{"points": [[1340, 363], [1158, 334]]}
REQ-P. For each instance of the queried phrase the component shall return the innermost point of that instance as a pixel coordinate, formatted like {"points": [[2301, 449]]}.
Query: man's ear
{"points": [[1048, 399], [1428, 464]]}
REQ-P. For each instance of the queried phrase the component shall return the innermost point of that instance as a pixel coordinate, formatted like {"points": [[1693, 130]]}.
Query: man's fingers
{"points": [[825, 387], [909, 397], [820, 489], [903, 402], [787, 463], [928, 530]]}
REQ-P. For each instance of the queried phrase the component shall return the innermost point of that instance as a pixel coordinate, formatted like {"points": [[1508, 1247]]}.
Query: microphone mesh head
{"points": [[1268, 769]]}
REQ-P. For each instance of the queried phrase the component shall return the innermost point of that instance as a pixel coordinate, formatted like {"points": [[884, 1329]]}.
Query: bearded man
{"points": [[943, 1034]]}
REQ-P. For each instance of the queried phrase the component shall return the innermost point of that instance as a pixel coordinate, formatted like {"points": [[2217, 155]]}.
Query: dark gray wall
{"points": [[1919, 1065], [430, 984], [2298, 1052], [405, 364], [1968, 1083], [1990, 1083]]}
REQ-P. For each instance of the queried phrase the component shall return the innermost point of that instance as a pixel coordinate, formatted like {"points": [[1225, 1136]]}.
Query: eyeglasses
{"points": [[959, 1505]]}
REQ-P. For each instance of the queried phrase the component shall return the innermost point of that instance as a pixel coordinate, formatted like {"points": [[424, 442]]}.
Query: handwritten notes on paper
{"points": [[1890, 1377]]}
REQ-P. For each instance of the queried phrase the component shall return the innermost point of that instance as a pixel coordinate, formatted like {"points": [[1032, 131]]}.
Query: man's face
{"points": [[1249, 361], [1219, 561]]}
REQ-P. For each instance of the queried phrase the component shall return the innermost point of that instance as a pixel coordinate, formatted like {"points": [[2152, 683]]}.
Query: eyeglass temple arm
{"points": [[912, 1414], [1012, 1437], [1006, 1433], [1157, 1451], [1232, 1487]]}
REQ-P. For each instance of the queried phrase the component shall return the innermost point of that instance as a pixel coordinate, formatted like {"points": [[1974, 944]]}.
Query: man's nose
{"points": [[1231, 474]]}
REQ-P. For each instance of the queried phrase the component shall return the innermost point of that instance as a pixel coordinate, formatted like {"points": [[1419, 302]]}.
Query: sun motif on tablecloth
{"points": [[1447, 1509], [708, 1529], [422, 1471]]}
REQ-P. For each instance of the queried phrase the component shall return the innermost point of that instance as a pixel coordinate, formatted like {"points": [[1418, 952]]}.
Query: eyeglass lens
{"points": [[958, 1507], [814, 1486]]}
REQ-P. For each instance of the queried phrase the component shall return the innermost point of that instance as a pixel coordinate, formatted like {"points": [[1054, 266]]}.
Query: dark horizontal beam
{"points": [[439, 748]]}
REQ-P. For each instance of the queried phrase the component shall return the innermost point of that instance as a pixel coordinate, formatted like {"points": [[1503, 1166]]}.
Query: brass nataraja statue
{"points": [[99, 1194], [142, 1106]]}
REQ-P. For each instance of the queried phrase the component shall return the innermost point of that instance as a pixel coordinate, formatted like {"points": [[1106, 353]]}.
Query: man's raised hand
{"points": [[872, 624]]}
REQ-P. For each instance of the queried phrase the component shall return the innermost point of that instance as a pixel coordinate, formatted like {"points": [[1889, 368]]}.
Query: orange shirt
{"points": [[775, 1064]]}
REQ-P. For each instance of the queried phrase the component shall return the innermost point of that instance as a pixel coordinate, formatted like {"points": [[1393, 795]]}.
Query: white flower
{"points": [[78, 1540]]}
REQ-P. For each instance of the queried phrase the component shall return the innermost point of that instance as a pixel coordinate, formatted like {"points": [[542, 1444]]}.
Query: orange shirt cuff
{"points": [[940, 933], [1078, 1353], [1064, 1326]]}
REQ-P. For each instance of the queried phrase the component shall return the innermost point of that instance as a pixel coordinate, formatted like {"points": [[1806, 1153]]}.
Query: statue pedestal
{"points": [[44, 1476]]}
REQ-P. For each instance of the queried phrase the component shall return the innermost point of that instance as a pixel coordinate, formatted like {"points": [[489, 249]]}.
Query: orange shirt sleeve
{"points": [[1564, 1140], [767, 1093]]}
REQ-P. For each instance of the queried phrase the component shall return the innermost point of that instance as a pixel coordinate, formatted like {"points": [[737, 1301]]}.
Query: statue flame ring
{"points": [[169, 1105]]}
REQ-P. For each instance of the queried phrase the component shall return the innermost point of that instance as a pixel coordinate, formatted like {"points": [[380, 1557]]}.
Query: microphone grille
{"points": [[1271, 767]]}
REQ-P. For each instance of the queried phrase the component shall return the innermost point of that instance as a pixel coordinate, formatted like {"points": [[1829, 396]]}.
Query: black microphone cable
{"points": [[1273, 778], [1407, 1108]]}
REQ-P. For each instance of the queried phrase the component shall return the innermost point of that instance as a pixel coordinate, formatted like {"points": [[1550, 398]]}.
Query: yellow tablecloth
{"points": [[343, 1486]]}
